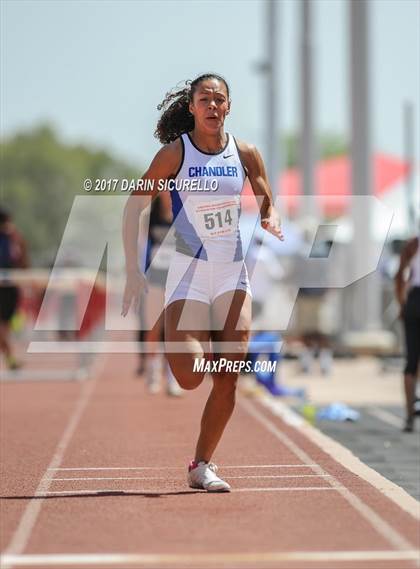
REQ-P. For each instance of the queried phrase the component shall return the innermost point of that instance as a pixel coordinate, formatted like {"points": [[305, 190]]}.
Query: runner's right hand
{"points": [[134, 285]]}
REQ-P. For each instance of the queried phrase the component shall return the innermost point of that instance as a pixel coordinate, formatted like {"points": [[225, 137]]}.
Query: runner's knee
{"points": [[224, 383], [182, 366]]}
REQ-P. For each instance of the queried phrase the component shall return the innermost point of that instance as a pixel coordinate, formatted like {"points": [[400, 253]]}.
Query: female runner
{"points": [[207, 296]]}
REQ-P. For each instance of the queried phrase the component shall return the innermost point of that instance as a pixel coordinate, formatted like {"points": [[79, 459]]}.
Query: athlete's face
{"points": [[210, 105]]}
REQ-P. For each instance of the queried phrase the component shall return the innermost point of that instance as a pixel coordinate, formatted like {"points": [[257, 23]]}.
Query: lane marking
{"points": [[343, 455], [378, 524], [166, 478], [198, 559], [385, 416], [184, 468], [117, 491], [120, 347], [283, 489], [30, 515]]}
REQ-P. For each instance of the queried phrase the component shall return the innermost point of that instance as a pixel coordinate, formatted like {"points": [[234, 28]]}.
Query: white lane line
{"points": [[283, 489], [345, 457], [100, 491], [166, 478], [183, 468], [118, 347], [385, 416], [379, 525], [205, 559], [22, 534]]}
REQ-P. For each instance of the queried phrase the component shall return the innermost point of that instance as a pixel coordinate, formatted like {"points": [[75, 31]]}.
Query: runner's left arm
{"points": [[255, 169]]}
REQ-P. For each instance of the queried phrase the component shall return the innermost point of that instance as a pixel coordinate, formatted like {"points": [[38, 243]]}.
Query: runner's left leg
{"points": [[231, 321]]}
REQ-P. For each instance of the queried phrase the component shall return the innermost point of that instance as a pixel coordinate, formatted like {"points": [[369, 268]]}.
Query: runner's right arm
{"points": [[164, 166]]}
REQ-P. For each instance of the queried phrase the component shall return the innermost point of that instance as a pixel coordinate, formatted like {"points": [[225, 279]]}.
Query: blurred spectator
{"points": [[13, 255], [265, 270], [159, 252], [310, 321], [67, 299], [407, 287]]}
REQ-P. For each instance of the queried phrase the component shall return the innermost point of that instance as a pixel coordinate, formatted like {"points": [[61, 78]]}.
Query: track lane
{"points": [[33, 417], [123, 427]]}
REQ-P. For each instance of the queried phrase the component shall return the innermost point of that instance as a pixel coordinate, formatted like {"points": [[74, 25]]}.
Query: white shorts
{"points": [[197, 279]]}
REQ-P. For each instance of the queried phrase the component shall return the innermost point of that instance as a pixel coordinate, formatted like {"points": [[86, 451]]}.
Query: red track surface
{"points": [[134, 447]]}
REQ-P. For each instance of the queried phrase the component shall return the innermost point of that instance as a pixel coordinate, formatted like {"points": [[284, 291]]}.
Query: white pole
{"points": [[306, 146], [273, 102], [408, 114], [366, 298]]}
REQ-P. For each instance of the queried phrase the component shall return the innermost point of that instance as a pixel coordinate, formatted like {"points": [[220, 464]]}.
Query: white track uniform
{"points": [[209, 259]]}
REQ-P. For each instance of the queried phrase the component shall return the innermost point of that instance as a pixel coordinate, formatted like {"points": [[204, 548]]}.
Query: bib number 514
{"points": [[211, 218]]}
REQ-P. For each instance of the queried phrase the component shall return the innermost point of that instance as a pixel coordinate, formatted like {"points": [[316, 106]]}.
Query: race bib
{"points": [[217, 217]]}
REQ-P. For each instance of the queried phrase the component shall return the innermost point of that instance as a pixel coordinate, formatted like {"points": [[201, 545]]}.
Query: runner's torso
{"points": [[207, 222]]}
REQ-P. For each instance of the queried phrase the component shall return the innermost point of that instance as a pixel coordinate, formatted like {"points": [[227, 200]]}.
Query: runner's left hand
{"points": [[271, 223]]}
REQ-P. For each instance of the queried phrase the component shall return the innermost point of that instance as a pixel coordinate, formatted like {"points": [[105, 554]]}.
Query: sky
{"points": [[97, 69]]}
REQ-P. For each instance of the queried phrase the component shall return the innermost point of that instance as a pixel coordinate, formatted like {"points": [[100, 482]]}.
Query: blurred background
{"points": [[328, 90]]}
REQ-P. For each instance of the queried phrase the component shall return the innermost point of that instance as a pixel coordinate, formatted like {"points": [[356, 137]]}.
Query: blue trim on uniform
{"points": [[239, 255], [238, 251], [188, 234], [148, 255]]}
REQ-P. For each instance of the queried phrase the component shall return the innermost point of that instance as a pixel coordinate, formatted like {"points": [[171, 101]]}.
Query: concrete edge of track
{"points": [[340, 453]]}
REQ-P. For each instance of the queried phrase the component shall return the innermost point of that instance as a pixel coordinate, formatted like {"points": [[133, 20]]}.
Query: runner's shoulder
{"points": [[245, 147], [170, 156], [248, 153]]}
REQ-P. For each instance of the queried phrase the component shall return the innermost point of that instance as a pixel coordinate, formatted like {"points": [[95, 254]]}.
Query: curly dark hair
{"points": [[176, 117]]}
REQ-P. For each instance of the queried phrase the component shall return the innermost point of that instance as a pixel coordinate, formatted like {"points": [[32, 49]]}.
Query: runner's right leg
{"points": [[187, 329]]}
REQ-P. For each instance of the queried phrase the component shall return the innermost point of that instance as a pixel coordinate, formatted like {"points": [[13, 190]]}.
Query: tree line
{"points": [[41, 175]]}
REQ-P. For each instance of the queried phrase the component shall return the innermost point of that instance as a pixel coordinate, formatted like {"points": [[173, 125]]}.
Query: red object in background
{"points": [[332, 184], [95, 308], [31, 299]]}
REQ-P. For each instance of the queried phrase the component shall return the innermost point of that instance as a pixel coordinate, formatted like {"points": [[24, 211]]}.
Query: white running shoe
{"points": [[153, 373], [172, 386], [202, 475], [173, 389]]}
